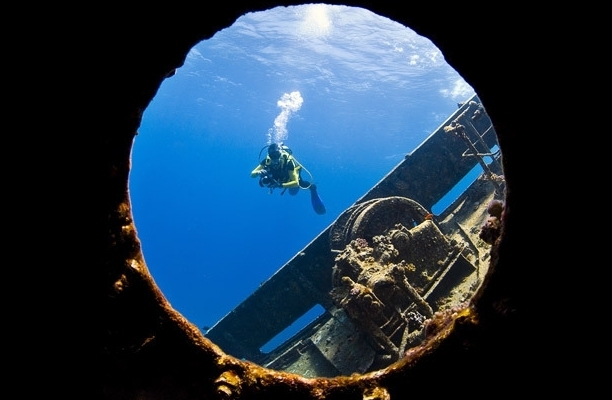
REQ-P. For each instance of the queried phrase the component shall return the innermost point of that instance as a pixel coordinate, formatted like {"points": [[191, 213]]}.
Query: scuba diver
{"points": [[281, 170]]}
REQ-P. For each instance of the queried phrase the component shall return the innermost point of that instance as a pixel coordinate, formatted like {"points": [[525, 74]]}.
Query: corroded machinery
{"points": [[385, 266]]}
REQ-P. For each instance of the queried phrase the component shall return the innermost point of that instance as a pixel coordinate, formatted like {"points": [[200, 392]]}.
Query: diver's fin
{"points": [[315, 200]]}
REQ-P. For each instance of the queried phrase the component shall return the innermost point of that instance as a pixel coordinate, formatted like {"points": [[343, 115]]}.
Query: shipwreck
{"points": [[386, 265]]}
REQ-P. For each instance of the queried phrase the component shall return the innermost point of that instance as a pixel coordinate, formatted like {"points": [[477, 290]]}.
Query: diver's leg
{"points": [[315, 200]]}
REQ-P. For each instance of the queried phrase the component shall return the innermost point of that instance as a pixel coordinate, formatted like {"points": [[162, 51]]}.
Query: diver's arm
{"points": [[255, 172], [294, 177]]}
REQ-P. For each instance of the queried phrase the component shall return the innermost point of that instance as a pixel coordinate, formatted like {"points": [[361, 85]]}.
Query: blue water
{"points": [[349, 91]]}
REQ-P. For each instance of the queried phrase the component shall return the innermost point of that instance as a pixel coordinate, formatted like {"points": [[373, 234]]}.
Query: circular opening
{"points": [[352, 94]]}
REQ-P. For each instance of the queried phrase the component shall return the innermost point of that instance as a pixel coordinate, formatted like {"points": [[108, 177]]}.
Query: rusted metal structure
{"points": [[384, 266]]}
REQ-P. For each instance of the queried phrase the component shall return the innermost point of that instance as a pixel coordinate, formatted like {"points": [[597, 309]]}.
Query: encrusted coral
{"points": [[491, 229]]}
